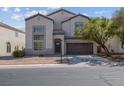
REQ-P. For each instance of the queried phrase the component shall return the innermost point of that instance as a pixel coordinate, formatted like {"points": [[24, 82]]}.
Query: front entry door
{"points": [[57, 46]]}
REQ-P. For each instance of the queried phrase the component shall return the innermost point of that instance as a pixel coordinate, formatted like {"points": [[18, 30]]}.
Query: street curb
{"points": [[40, 66]]}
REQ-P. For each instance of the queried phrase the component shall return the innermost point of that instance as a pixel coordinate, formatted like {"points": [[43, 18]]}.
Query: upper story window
{"points": [[16, 34], [78, 25], [39, 29]]}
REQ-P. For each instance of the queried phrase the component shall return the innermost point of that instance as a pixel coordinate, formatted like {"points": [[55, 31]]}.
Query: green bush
{"points": [[18, 53], [41, 55]]}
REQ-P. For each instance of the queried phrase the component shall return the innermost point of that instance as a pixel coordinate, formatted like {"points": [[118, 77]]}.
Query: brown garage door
{"points": [[79, 48]]}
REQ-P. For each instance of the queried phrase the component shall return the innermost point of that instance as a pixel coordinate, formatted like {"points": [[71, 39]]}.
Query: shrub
{"points": [[18, 53], [41, 55]]}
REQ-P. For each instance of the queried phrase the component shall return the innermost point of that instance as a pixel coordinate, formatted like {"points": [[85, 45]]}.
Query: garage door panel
{"points": [[79, 48]]}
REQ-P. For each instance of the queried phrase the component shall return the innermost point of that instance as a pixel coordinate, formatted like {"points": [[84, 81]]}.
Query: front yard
{"points": [[82, 60]]}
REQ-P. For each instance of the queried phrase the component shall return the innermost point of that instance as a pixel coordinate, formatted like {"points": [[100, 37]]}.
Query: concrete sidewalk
{"points": [[42, 66]]}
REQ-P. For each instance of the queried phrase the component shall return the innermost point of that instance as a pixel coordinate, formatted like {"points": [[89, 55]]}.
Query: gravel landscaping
{"points": [[31, 60]]}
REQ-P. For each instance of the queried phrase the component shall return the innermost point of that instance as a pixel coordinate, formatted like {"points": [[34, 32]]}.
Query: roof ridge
{"points": [[37, 15], [61, 9]]}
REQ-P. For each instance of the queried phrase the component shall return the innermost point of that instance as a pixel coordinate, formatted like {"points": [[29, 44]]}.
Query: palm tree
{"points": [[97, 30]]}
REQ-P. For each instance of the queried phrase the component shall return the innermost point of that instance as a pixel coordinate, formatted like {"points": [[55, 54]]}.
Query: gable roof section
{"points": [[10, 27], [77, 16], [61, 10], [38, 14]]}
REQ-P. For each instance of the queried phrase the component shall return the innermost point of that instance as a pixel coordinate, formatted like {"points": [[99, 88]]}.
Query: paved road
{"points": [[96, 76]]}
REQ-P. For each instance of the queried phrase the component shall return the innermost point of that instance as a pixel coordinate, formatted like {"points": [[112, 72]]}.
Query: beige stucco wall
{"points": [[115, 44], [69, 26], [7, 35], [59, 17], [48, 47]]}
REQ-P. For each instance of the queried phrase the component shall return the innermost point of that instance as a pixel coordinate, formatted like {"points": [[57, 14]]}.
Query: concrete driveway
{"points": [[64, 76], [91, 60]]}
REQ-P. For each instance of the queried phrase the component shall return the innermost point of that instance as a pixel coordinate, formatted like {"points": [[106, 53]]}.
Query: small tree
{"points": [[118, 24], [97, 29]]}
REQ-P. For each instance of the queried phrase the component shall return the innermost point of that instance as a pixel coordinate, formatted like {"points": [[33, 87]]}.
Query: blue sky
{"points": [[15, 16]]}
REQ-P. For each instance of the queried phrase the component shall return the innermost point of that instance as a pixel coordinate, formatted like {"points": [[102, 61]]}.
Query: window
{"points": [[8, 50], [38, 45], [38, 37], [78, 25], [16, 34], [39, 29]]}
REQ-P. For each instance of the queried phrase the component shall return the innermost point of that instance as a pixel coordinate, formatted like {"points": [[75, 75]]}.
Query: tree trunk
{"points": [[106, 50], [122, 45]]}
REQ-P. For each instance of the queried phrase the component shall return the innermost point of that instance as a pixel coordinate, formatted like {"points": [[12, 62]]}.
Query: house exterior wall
{"points": [[59, 17], [48, 47], [69, 26], [7, 35], [114, 45]]}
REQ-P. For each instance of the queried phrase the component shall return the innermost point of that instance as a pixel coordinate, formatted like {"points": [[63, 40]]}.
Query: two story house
{"points": [[54, 33]]}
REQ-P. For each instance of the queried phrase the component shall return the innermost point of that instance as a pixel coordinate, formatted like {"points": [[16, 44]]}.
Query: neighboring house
{"points": [[55, 32], [114, 45], [10, 39]]}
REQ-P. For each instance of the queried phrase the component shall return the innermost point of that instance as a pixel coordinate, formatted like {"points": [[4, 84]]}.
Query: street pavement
{"points": [[62, 76]]}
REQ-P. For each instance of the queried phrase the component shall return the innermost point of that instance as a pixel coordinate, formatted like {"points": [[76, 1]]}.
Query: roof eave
{"points": [[38, 15], [77, 16], [11, 28]]}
